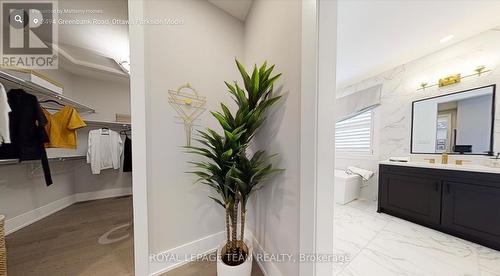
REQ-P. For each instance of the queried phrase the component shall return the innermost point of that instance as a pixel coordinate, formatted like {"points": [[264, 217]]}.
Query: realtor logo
{"points": [[28, 35]]}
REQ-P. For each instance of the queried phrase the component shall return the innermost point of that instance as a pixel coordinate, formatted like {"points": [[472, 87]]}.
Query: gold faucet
{"points": [[461, 162], [444, 158], [431, 160]]}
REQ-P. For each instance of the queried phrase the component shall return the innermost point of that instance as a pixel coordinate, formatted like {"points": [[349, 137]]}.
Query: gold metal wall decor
{"points": [[189, 105], [453, 79]]}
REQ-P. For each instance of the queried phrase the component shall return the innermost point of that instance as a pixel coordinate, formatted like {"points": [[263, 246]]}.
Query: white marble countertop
{"points": [[465, 167]]}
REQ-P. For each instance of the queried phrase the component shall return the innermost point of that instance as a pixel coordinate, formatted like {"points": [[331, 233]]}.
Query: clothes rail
{"points": [[42, 93], [51, 159]]}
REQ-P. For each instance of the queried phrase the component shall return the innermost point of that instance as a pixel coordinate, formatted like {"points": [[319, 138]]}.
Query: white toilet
{"points": [[347, 187]]}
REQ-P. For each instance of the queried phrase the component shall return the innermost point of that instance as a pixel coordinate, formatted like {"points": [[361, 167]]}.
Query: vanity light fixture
{"points": [[449, 80], [453, 79]]}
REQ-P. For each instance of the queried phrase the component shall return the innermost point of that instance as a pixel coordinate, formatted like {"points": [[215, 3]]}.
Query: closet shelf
{"points": [[68, 158], [109, 124], [51, 159], [43, 93]]}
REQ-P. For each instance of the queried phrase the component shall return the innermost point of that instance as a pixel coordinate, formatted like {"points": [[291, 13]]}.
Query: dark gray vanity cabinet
{"points": [[472, 209], [460, 203], [417, 197]]}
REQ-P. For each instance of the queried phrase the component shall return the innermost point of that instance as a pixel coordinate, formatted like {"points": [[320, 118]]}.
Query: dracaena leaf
{"points": [[227, 154], [244, 75], [221, 120], [263, 68], [218, 201], [227, 114]]}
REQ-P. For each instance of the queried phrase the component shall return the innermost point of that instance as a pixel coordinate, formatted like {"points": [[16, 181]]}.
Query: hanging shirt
{"points": [[104, 150], [4, 117], [62, 126], [127, 155], [27, 133]]}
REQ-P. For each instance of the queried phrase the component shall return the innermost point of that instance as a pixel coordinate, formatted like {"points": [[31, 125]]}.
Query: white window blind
{"points": [[355, 135]]}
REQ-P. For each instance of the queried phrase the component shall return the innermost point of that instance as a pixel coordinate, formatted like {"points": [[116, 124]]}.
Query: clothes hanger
{"points": [[104, 131], [125, 132], [52, 101]]}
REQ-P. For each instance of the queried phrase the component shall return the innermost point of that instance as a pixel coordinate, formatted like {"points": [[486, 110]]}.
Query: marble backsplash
{"points": [[399, 90]]}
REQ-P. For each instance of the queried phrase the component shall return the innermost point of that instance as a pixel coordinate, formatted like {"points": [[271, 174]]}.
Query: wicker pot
{"points": [[3, 250]]}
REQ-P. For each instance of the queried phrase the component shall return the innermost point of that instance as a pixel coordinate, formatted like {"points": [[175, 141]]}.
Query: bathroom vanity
{"points": [[463, 201]]}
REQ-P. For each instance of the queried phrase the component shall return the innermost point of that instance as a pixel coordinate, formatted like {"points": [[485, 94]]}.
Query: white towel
{"points": [[365, 174]]}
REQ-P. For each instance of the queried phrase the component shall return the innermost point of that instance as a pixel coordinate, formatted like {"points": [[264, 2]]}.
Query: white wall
{"points": [[474, 123], [200, 52], [107, 97], [399, 90], [274, 211], [424, 126], [22, 192]]}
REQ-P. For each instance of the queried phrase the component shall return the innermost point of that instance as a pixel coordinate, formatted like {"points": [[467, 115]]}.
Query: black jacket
{"points": [[27, 132]]}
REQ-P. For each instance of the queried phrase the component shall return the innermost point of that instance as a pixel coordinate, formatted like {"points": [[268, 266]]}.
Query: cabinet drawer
{"points": [[411, 197]]}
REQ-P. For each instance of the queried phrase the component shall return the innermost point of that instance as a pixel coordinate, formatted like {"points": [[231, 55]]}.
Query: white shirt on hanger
{"points": [[104, 150], [4, 117]]}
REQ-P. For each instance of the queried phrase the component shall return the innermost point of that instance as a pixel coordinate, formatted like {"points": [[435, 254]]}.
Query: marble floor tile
{"points": [[380, 244], [360, 204], [410, 249], [353, 230], [489, 261]]}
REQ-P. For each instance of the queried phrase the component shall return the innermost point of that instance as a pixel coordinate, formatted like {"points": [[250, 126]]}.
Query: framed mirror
{"points": [[458, 123]]}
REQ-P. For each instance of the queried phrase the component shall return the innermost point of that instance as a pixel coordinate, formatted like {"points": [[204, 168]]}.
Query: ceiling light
{"points": [[446, 38]]}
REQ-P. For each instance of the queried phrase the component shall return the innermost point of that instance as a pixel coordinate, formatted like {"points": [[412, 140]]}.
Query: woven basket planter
{"points": [[3, 250]]}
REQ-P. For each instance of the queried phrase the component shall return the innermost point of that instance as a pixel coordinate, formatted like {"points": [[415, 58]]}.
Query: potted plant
{"points": [[230, 169]]}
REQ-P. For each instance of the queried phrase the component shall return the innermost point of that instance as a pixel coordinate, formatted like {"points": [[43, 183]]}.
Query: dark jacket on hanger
{"points": [[26, 123]]}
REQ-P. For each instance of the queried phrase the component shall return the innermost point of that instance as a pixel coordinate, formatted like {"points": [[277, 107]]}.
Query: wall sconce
{"points": [[423, 85], [453, 79], [481, 69]]}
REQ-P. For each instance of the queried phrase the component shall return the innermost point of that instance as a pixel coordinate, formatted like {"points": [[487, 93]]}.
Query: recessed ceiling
{"points": [[375, 36], [110, 40], [236, 8]]}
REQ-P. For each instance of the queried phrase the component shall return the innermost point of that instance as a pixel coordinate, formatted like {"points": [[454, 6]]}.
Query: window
{"points": [[355, 135]]}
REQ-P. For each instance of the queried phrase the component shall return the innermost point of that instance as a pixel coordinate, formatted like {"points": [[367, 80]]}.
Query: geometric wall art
{"points": [[189, 105]]}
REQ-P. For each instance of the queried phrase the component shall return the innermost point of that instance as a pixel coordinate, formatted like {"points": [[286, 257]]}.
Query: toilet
{"points": [[346, 187]]}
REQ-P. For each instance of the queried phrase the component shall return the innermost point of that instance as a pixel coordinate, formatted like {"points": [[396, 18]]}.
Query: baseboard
{"points": [[163, 262], [267, 268], [25, 219], [103, 194]]}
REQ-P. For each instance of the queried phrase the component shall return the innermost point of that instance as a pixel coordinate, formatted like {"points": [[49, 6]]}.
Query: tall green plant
{"points": [[228, 170]]}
